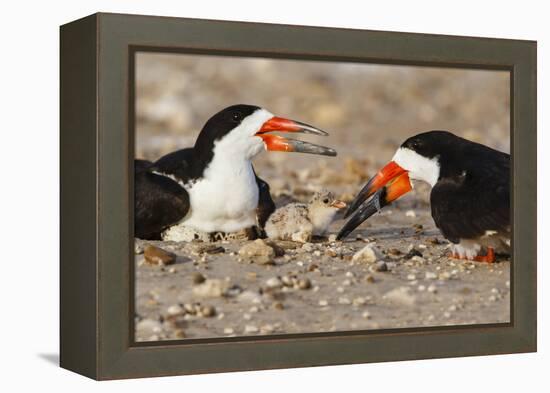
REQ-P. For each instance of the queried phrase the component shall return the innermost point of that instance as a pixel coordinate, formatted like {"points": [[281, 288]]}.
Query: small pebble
{"points": [[430, 276], [210, 249], [266, 329], [250, 329], [288, 281], [417, 259], [208, 311], [401, 295], [278, 306], [344, 300], [304, 283], [175, 309], [366, 255], [413, 252], [157, 256], [274, 283], [198, 278], [381, 266], [258, 251], [211, 288], [323, 303]]}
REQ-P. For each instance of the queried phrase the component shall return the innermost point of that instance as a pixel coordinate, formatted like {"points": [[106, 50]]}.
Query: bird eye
{"points": [[325, 201], [236, 116], [415, 144]]}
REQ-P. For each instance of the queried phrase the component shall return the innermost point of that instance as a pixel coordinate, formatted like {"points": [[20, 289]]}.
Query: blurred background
{"points": [[368, 110]]}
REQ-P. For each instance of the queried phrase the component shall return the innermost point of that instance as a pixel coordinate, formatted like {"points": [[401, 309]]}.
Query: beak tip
{"points": [[340, 236]]}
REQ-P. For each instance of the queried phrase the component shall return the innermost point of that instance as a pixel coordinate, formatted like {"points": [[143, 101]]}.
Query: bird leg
{"points": [[488, 258]]}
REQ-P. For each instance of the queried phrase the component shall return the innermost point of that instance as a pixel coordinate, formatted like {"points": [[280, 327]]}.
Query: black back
{"points": [[472, 195]]}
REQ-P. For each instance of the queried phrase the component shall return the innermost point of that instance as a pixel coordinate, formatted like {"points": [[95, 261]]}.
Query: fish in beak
{"points": [[389, 184], [279, 143]]}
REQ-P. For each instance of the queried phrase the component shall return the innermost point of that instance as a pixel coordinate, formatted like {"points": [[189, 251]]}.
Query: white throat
{"points": [[419, 167], [226, 196], [241, 142]]}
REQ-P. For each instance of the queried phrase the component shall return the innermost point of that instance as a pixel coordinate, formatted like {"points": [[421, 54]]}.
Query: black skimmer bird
{"points": [[470, 196], [212, 187]]}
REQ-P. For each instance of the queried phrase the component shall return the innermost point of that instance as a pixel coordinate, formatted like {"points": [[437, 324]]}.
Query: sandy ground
{"points": [[320, 287], [344, 294]]}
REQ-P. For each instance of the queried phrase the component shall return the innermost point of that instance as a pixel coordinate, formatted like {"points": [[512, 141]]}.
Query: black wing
{"points": [[158, 202], [266, 206], [181, 164], [475, 200]]}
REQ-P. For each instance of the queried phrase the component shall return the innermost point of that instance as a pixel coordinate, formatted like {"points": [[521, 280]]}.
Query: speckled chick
{"points": [[299, 222]]}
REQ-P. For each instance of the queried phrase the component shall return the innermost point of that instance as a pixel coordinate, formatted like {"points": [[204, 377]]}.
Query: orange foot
{"points": [[489, 258]]}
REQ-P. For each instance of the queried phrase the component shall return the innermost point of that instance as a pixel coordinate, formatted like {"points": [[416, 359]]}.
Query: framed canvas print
{"points": [[240, 196]]}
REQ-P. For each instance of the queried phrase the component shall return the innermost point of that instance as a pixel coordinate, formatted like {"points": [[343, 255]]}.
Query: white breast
{"points": [[225, 198]]}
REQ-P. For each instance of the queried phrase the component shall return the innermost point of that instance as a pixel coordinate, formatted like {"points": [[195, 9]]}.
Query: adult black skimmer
{"points": [[212, 187], [470, 196]]}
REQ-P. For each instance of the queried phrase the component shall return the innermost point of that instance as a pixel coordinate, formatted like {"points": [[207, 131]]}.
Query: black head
{"points": [[432, 143], [243, 131], [223, 122]]}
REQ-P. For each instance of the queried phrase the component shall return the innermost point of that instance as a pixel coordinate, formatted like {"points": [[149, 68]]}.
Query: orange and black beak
{"points": [[279, 143], [390, 183]]}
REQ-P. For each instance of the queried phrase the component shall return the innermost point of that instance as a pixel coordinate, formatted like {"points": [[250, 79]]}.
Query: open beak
{"points": [[338, 204], [390, 183], [279, 143]]}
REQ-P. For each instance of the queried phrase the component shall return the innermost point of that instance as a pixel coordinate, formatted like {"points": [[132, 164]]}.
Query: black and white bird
{"points": [[470, 195], [212, 187]]}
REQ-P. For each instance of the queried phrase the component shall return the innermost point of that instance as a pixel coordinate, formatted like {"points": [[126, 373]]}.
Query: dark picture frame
{"points": [[97, 151]]}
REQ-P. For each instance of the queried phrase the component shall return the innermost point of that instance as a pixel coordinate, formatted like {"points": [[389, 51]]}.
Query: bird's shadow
{"points": [[392, 233], [52, 358]]}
